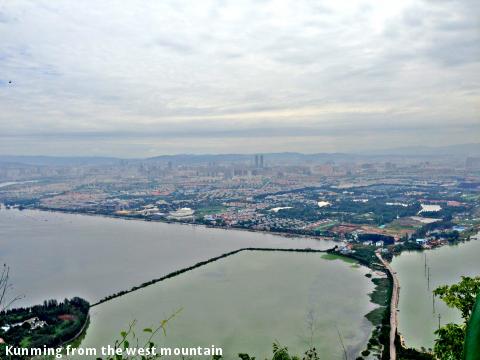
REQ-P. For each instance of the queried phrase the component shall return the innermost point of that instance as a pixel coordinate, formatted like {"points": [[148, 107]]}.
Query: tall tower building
{"points": [[261, 161], [256, 161]]}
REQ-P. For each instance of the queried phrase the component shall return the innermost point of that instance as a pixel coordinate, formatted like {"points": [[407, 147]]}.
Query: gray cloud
{"points": [[328, 72]]}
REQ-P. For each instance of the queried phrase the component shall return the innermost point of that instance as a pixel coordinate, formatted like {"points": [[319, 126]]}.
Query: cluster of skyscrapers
{"points": [[259, 161]]}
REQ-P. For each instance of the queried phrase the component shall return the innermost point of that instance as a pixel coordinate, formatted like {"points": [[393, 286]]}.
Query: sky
{"points": [[144, 78]]}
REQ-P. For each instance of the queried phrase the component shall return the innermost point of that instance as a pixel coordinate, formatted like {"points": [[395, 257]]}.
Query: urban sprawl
{"points": [[381, 202]]}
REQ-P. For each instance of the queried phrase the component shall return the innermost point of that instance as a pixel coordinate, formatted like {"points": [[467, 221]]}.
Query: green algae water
{"points": [[58, 255], [245, 302]]}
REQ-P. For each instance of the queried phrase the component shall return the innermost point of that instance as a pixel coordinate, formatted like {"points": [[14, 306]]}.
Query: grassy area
{"points": [[376, 315], [339, 257], [471, 197], [25, 342], [399, 227], [365, 254], [380, 318], [354, 263], [326, 226], [210, 211], [381, 294]]}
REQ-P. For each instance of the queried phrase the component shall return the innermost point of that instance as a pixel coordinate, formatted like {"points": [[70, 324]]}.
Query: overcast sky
{"points": [[143, 78]]}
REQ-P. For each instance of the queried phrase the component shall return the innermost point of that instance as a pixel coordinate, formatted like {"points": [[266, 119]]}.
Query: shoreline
{"points": [[402, 343], [80, 332], [130, 218], [393, 306], [373, 334], [226, 228]]}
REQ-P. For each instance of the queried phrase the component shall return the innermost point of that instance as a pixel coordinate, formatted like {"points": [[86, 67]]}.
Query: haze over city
{"points": [[240, 179], [140, 79]]}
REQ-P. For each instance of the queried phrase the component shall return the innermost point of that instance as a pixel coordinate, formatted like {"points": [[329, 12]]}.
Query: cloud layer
{"points": [[142, 78]]}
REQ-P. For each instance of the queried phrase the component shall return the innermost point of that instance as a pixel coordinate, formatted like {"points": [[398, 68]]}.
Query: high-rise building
{"points": [[261, 161], [256, 161], [472, 163]]}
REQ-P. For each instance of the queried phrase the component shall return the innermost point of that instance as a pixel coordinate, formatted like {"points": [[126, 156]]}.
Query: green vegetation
{"points": [[150, 349], [380, 317], [407, 246], [465, 235], [451, 337], [454, 341], [376, 315], [376, 207], [365, 255], [439, 225], [50, 324], [129, 339], [472, 338], [331, 256], [200, 213], [411, 354], [326, 226], [382, 291], [461, 296]]}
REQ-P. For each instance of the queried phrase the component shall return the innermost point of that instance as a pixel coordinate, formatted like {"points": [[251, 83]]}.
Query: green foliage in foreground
{"points": [[279, 352], [129, 339], [461, 296], [454, 341], [450, 340], [472, 339]]}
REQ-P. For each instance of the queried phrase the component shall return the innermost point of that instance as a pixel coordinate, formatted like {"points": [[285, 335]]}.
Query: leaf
{"points": [[472, 339]]}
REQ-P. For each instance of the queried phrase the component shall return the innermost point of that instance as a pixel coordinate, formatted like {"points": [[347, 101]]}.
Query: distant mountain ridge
{"points": [[472, 149], [462, 150], [56, 160]]}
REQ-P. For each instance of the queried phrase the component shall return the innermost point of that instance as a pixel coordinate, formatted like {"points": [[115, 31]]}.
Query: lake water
{"points": [[57, 255], [244, 302], [417, 318]]}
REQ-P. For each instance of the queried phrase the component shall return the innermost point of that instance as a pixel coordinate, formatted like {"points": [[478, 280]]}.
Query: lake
{"points": [[58, 255], [417, 318], [244, 302]]}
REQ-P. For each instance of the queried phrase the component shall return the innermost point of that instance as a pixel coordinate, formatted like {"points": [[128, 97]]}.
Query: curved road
{"points": [[393, 307]]}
